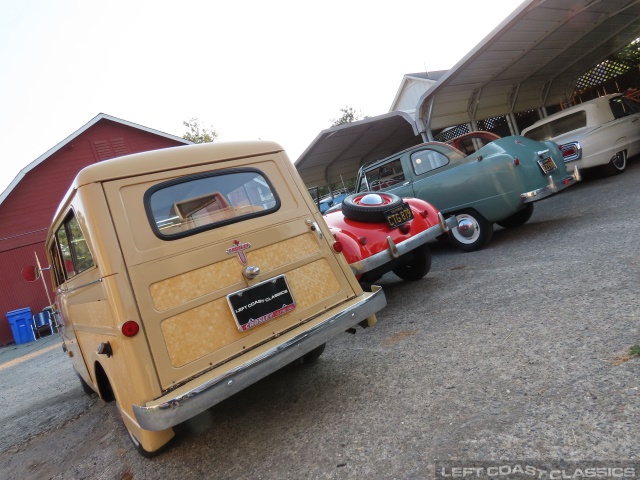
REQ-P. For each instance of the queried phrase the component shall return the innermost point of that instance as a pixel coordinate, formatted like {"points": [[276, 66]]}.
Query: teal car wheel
{"points": [[472, 232], [519, 218]]}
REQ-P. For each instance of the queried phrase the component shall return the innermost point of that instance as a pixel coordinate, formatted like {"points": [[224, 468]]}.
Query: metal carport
{"points": [[531, 60]]}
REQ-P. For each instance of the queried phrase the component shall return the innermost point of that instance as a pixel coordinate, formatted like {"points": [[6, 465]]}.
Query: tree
{"points": [[348, 115], [198, 133]]}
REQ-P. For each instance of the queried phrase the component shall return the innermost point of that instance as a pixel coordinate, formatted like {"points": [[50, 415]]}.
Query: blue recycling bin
{"points": [[21, 327]]}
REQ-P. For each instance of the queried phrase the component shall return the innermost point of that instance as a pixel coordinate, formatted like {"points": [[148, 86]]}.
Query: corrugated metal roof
{"points": [[339, 151], [532, 59]]}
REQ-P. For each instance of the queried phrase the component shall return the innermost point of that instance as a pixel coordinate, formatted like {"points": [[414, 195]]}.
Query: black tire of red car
{"points": [[616, 165], [418, 267], [481, 233], [354, 210], [519, 218]]}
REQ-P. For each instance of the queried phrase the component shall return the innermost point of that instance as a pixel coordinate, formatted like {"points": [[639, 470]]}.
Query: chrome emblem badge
{"points": [[239, 249]]}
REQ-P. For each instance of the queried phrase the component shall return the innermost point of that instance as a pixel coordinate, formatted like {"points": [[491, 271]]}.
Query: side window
{"points": [[424, 161], [385, 176], [631, 105], [618, 108], [72, 252], [200, 202], [557, 127], [56, 263]]}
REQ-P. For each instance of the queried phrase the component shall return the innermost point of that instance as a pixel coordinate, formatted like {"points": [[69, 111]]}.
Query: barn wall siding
{"points": [[17, 293], [26, 213]]}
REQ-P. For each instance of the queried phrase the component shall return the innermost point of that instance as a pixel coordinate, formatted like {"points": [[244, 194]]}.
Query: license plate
{"points": [[260, 303], [547, 165], [398, 215]]}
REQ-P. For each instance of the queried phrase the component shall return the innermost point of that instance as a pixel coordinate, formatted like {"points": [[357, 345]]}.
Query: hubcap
{"points": [[466, 228], [619, 161], [371, 199]]}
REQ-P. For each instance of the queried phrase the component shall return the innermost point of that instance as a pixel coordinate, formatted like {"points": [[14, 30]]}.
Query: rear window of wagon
{"points": [[201, 202]]}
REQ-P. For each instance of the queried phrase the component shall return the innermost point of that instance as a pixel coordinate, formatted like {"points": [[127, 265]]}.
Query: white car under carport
{"points": [[603, 132]]}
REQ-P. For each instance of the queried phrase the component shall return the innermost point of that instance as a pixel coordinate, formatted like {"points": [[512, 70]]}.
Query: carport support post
{"points": [[427, 135], [513, 125]]}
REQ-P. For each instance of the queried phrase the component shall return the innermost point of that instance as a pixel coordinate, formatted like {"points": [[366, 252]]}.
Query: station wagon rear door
{"points": [[188, 237]]}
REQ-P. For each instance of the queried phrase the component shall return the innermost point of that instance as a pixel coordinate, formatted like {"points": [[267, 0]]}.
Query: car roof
{"points": [[598, 112]]}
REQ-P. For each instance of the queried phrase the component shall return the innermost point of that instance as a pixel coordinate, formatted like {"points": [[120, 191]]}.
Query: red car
{"points": [[381, 232]]}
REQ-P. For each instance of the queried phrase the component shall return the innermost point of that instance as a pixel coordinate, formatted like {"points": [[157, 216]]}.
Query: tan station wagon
{"points": [[186, 274]]}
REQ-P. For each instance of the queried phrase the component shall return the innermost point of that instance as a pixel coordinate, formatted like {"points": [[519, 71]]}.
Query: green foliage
{"points": [[198, 133], [635, 350], [348, 115]]}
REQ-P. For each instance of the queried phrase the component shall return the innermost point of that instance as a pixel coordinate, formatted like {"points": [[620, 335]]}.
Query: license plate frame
{"points": [[547, 164], [259, 303], [396, 216]]}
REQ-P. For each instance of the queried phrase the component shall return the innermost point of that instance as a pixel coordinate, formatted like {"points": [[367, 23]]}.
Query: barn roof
{"points": [[532, 59], [84, 128]]}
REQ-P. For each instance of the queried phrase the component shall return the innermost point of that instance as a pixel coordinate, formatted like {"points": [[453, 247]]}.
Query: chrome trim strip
{"points": [[551, 188], [380, 258], [164, 412], [67, 290]]}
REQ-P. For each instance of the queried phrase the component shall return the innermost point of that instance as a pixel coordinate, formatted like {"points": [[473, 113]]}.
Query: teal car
{"points": [[479, 177]]}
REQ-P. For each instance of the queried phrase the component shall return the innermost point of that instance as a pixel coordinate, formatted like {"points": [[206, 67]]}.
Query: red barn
{"points": [[30, 201]]}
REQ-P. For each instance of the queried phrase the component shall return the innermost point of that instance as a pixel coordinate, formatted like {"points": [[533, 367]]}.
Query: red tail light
{"points": [[405, 228], [130, 328], [337, 246], [568, 150]]}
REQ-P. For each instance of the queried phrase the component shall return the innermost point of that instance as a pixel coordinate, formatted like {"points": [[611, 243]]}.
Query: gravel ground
{"points": [[515, 354]]}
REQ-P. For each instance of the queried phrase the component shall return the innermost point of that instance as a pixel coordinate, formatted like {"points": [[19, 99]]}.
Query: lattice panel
{"points": [[453, 132], [626, 59]]}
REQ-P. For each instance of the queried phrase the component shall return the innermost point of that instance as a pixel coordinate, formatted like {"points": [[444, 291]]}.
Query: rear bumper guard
{"points": [[397, 250], [552, 188], [166, 412]]}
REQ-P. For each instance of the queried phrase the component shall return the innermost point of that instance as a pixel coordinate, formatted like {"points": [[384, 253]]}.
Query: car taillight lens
{"points": [[405, 228], [130, 328], [568, 150], [337, 246]]}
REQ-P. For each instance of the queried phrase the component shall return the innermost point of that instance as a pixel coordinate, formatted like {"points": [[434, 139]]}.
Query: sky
{"points": [[272, 70]]}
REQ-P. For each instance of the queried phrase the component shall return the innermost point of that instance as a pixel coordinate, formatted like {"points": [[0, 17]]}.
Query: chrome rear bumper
{"points": [[397, 250], [552, 188], [175, 408]]}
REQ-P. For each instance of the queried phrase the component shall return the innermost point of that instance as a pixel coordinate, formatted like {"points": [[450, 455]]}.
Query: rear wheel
{"points": [[138, 446], [518, 218], [472, 232], [314, 354], [85, 386], [418, 267], [616, 165]]}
